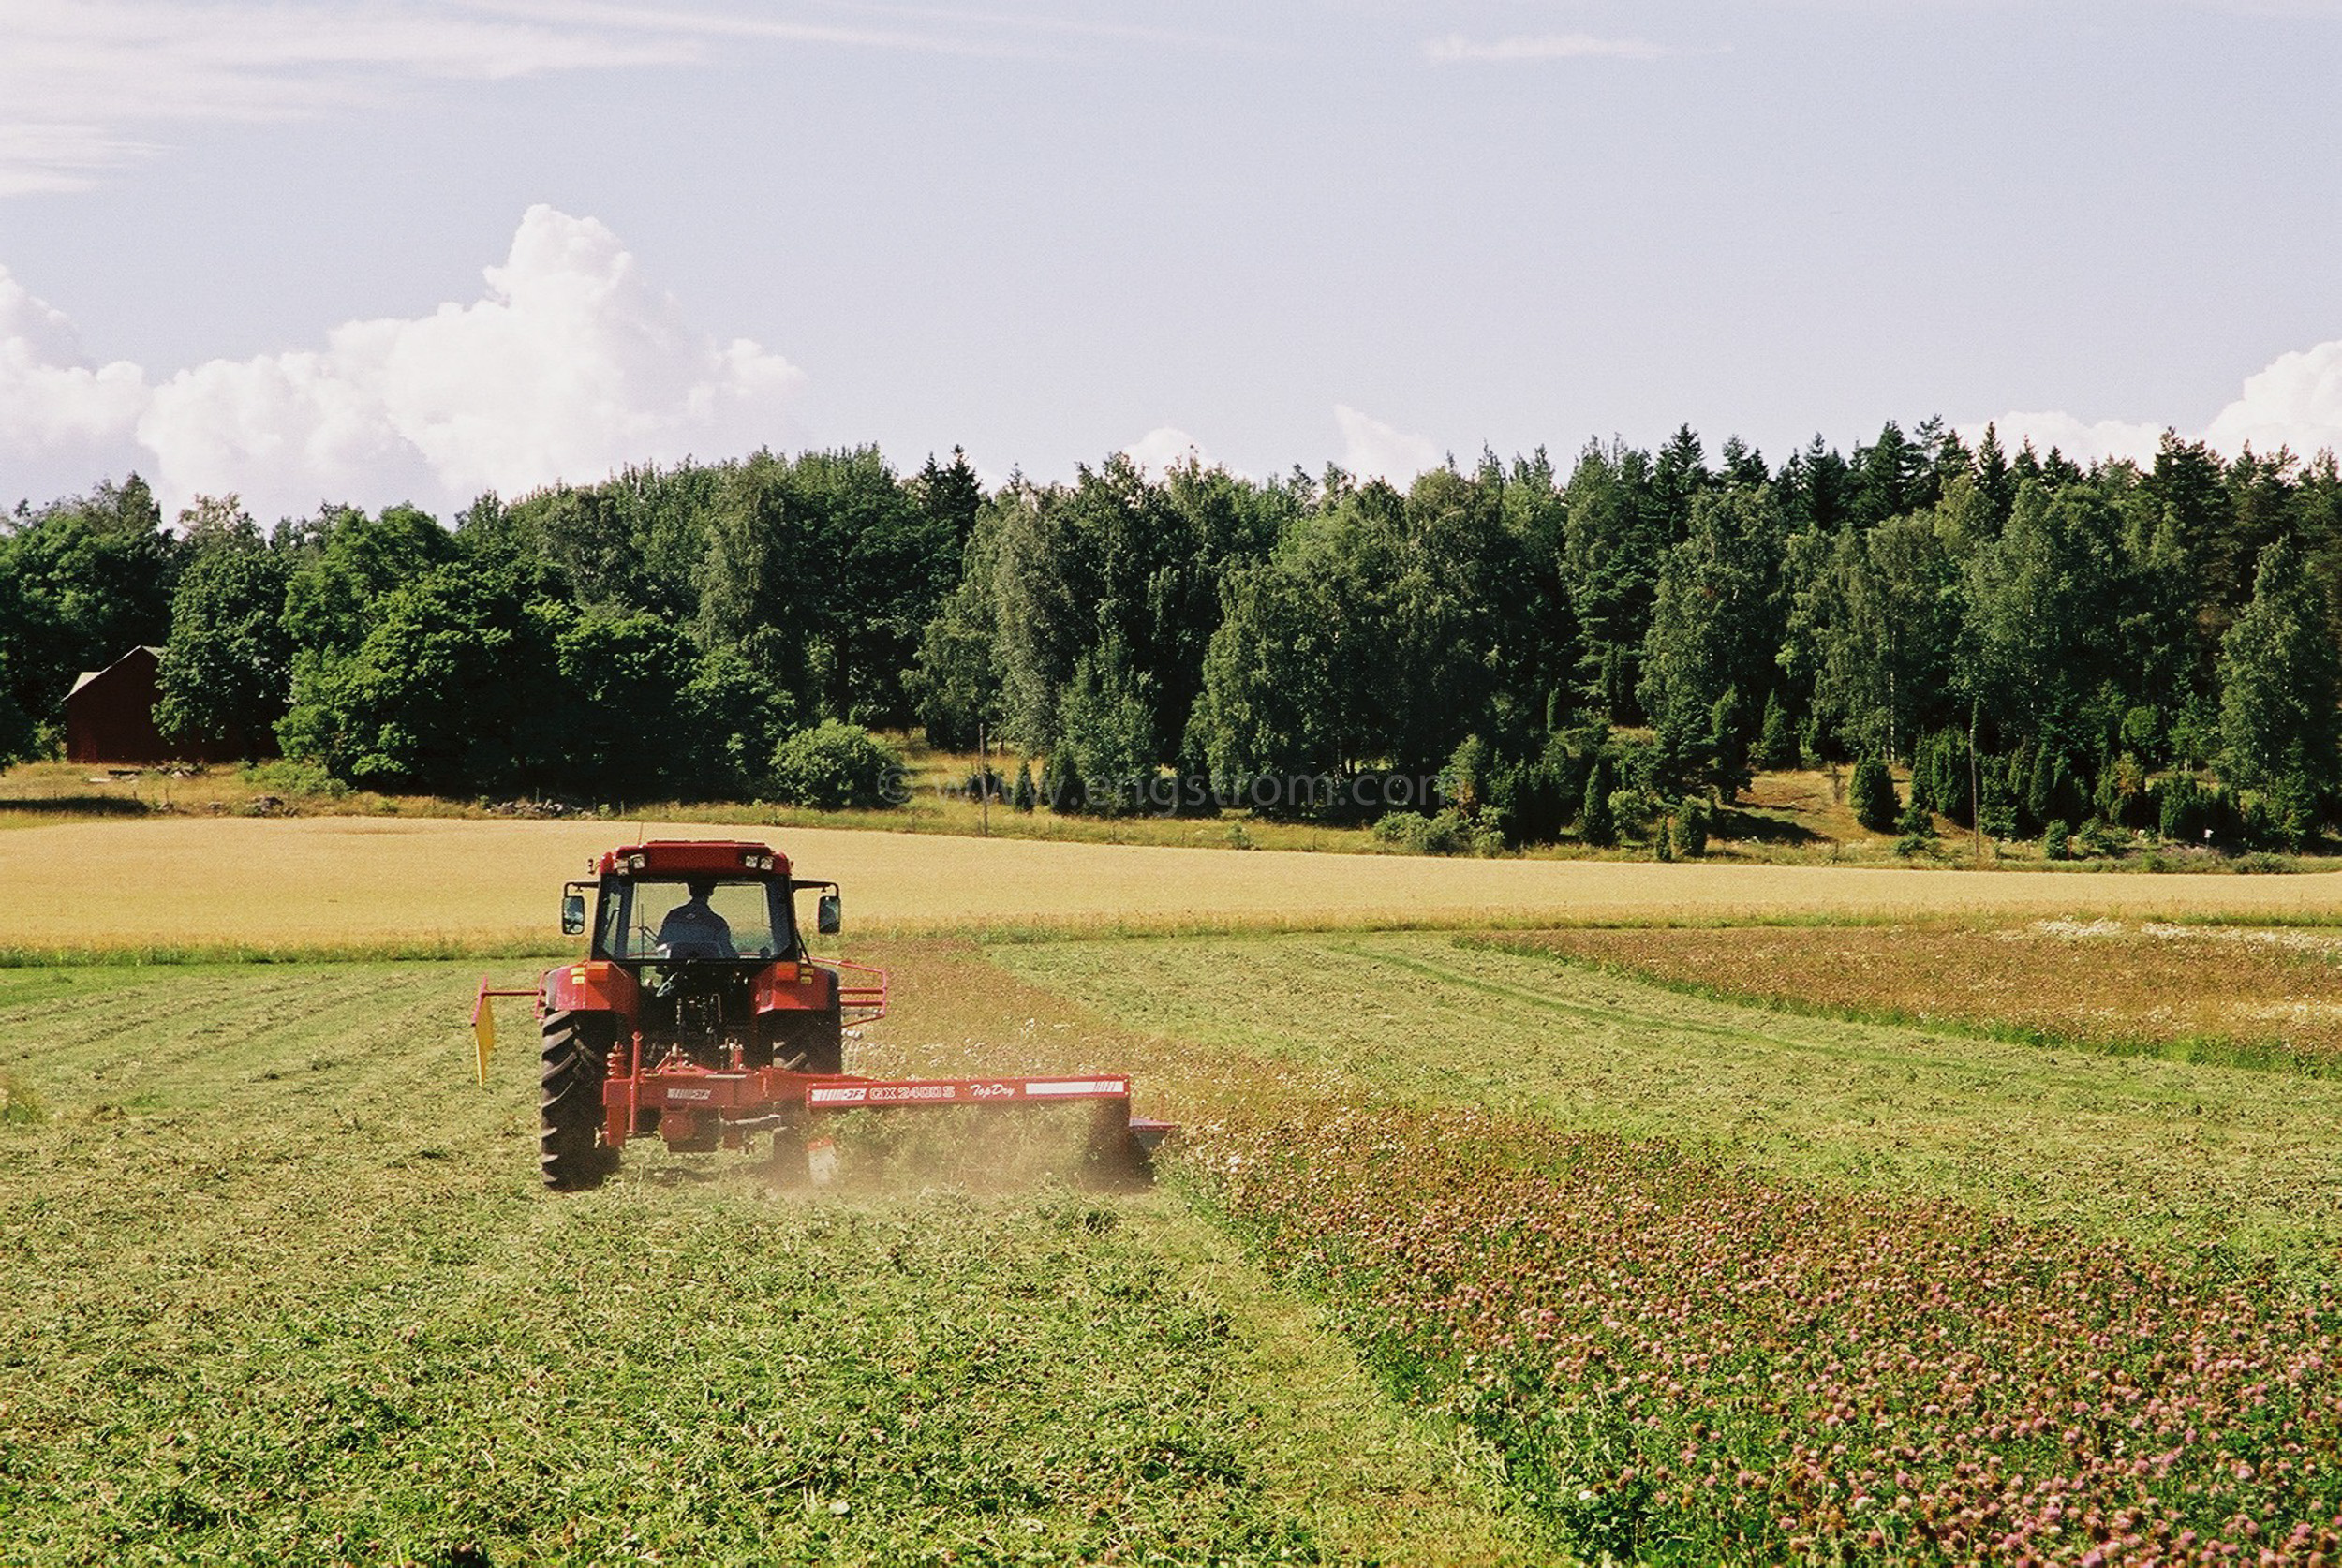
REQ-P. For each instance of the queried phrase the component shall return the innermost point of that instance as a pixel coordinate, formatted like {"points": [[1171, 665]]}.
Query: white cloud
{"points": [[1372, 449], [59, 414], [2294, 402], [1541, 46], [2085, 441], [569, 366], [1164, 447]]}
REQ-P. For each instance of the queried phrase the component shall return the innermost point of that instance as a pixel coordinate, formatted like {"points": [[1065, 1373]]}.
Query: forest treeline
{"points": [[2150, 647]]}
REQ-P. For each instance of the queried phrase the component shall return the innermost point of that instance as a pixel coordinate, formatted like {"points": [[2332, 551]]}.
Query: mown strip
{"points": [[283, 1289], [2263, 1055], [2165, 1154]]}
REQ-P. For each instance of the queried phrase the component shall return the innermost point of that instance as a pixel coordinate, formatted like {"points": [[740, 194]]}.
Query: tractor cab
{"points": [[676, 904], [677, 919], [714, 963]]}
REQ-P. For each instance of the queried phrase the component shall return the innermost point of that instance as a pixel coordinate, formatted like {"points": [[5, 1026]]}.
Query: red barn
{"points": [[110, 717], [110, 713]]}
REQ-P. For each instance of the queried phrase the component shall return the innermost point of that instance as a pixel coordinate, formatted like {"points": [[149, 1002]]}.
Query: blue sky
{"points": [[245, 243]]}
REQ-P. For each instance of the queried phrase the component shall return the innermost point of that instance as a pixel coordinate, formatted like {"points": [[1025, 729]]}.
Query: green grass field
{"points": [[283, 1288]]}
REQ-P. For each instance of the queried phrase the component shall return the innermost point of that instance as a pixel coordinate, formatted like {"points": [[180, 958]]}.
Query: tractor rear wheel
{"points": [[569, 1140], [813, 1041], [829, 1045]]}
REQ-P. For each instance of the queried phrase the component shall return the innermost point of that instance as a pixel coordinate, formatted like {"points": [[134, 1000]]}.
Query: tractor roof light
{"points": [[635, 862]]}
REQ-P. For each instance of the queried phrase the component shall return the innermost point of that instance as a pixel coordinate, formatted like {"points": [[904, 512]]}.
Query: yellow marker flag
{"points": [[484, 1028]]}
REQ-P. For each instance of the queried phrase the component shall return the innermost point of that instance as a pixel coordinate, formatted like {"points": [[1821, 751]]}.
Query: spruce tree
{"points": [[1916, 827], [1873, 795], [1776, 738], [1595, 823]]}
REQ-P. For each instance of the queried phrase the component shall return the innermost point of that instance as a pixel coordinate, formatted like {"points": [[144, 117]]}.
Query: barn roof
{"points": [[88, 676]]}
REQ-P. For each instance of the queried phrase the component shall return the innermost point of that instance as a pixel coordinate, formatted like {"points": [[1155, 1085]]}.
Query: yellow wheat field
{"points": [[358, 882]]}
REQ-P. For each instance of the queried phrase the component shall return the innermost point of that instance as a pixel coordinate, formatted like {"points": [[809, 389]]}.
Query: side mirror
{"points": [[573, 913], [829, 915]]}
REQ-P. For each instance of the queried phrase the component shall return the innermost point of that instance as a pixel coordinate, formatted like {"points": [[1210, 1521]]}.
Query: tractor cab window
{"points": [[695, 918]]}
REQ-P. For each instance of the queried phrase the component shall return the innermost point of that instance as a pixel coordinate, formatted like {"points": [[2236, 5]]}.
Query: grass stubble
{"points": [[282, 1289]]}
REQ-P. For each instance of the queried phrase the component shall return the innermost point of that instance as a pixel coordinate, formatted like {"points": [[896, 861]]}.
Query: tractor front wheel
{"points": [[569, 1140]]}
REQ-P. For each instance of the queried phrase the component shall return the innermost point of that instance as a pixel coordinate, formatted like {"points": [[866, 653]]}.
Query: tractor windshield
{"points": [[695, 918]]}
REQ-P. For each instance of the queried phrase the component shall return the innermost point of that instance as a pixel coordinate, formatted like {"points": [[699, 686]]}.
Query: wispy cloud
{"points": [[1167, 447], [88, 86], [656, 21], [1541, 46], [1046, 24]]}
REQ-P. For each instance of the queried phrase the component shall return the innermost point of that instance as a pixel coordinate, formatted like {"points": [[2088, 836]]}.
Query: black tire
{"points": [[817, 1037], [828, 1053], [569, 1141]]}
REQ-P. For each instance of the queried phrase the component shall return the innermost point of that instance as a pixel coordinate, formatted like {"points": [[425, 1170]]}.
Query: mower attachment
{"points": [[696, 1107]]}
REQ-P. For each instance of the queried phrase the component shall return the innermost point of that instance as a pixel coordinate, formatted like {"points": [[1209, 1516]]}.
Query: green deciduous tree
{"points": [[1714, 632], [1881, 623], [446, 692], [1105, 728], [621, 725], [737, 715], [86, 579], [2280, 681], [344, 561], [834, 766], [226, 666]]}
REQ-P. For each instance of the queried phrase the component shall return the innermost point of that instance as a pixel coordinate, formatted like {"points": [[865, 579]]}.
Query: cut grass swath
{"points": [[282, 1290]]}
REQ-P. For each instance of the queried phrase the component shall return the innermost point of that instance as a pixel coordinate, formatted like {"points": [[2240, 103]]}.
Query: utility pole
{"points": [[984, 777]]}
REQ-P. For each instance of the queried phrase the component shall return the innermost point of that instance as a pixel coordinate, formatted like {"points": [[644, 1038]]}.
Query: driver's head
{"points": [[699, 887]]}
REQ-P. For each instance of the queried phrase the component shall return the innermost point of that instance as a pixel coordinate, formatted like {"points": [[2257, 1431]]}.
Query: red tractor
{"points": [[699, 1016]]}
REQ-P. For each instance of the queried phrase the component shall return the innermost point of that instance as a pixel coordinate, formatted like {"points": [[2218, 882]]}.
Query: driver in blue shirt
{"points": [[692, 930]]}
